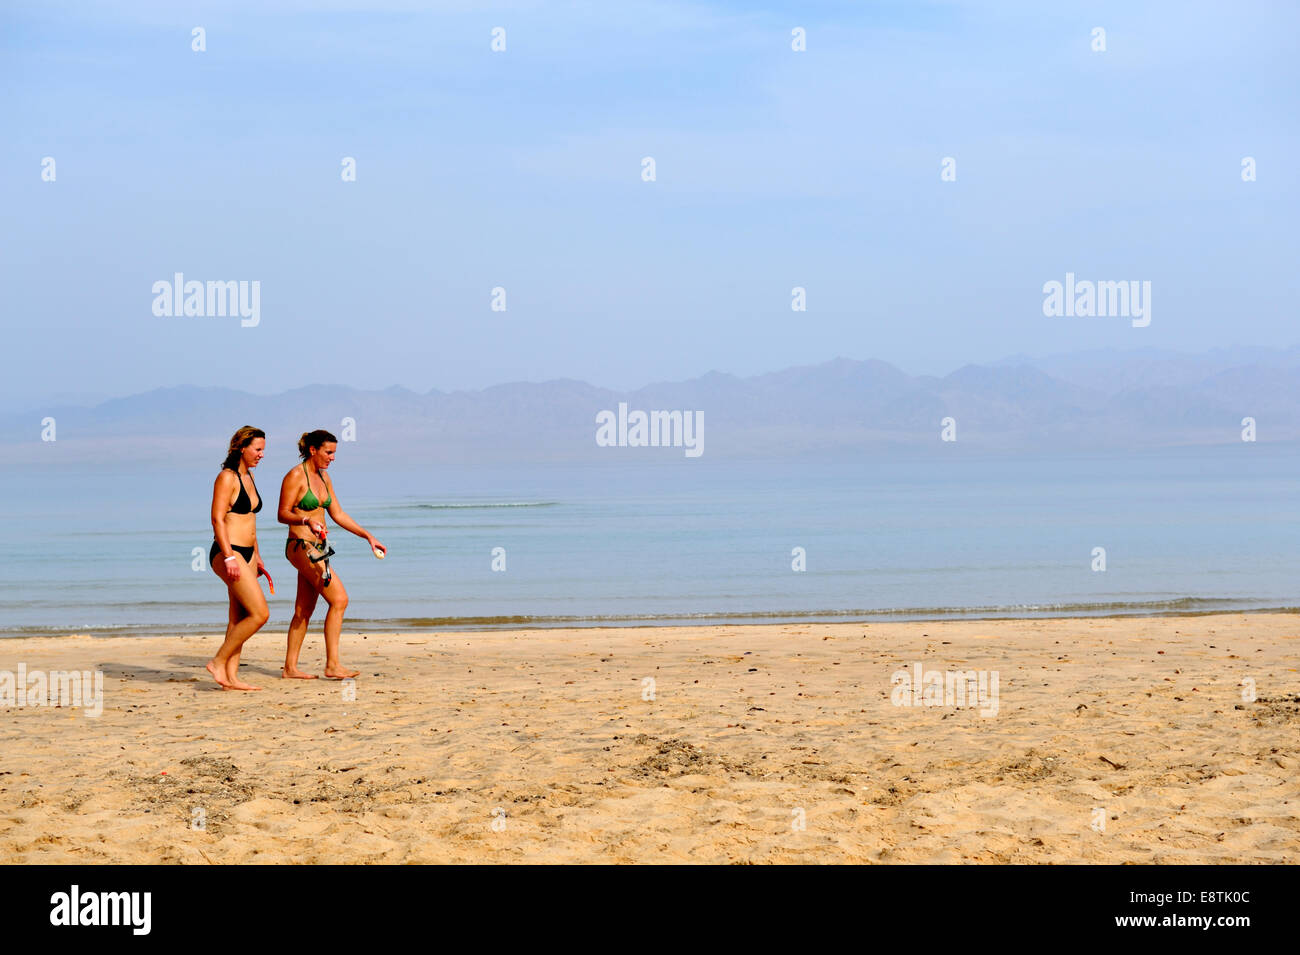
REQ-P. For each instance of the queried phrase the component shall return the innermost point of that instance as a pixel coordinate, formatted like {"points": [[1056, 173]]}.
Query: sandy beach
{"points": [[1113, 741]]}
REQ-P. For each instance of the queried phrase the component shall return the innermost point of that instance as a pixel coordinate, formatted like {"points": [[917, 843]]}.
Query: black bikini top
{"points": [[244, 504]]}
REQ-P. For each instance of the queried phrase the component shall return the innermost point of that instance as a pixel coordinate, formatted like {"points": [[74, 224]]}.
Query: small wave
{"points": [[472, 507], [1190, 606], [1183, 606]]}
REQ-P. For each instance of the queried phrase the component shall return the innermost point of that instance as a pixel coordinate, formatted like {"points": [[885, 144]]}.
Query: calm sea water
{"points": [[673, 541]]}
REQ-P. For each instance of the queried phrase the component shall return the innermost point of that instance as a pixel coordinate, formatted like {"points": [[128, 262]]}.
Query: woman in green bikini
{"points": [[306, 496]]}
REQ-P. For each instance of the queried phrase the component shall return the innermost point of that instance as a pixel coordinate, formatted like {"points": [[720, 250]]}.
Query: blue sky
{"points": [[521, 169]]}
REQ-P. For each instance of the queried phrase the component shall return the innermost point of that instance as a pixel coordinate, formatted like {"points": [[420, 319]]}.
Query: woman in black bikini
{"points": [[306, 496], [234, 556]]}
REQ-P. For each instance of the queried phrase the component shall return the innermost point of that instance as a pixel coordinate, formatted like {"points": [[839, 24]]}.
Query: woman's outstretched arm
{"points": [[345, 521]]}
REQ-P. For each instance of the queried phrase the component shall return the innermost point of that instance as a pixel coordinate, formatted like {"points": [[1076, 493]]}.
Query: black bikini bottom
{"points": [[244, 552]]}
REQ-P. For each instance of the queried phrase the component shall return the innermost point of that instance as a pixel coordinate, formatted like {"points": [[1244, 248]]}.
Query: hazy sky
{"points": [[522, 169]]}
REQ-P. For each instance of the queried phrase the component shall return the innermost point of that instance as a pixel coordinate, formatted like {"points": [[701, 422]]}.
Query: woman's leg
{"points": [[247, 596], [233, 616], [338, 601], [237, 613], [335, 595], [303, 606]]}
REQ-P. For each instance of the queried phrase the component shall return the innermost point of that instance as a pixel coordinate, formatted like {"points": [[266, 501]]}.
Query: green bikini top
{"points": [[309, 500]]}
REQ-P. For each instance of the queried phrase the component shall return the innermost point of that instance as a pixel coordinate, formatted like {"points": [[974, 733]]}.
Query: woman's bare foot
{"points": [[339, 673], [232, 674], [295, 674], [218, 673]]}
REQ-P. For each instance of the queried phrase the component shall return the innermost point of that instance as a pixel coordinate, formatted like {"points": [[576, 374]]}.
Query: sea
{"points": [[670, 540]]}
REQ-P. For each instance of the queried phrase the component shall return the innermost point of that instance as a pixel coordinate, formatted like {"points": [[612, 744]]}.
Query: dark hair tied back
{"points": [[313, 439]]}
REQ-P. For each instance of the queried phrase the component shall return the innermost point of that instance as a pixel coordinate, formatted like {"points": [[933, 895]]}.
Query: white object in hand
{"points": [[379, 551]]}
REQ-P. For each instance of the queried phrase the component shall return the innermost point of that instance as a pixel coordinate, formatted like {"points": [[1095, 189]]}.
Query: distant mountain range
{"points": [[1089, 400]]}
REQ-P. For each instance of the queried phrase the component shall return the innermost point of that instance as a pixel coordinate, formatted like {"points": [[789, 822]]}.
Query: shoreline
{"points": [[1109, 740], [510, 624]]}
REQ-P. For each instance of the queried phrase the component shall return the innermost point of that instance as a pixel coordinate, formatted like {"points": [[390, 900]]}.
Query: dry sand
{"points": [[1142, 721]]}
